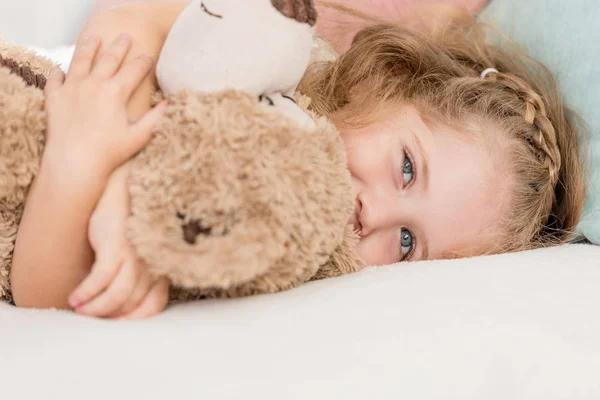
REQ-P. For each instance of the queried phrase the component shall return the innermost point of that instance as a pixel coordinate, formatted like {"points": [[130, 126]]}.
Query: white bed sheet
{"points": [[515, 326]]}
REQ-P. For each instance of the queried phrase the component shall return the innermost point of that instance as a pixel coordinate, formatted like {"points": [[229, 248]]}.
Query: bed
{"points": [[512, 326]]}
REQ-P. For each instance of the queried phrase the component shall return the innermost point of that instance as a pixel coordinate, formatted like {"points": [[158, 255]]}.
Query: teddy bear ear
{"points": [[345, 258], [25, 72], [25, 62], [303, 11]]}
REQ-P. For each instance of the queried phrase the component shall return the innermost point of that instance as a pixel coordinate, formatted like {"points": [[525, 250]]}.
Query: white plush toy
{"points": [[257, 46]]}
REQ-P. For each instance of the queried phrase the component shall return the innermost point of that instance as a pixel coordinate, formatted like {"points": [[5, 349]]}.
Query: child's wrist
{"points": [[68, 166], [75, 182]]}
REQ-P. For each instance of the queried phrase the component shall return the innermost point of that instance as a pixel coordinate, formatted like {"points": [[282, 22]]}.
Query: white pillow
{"points": [[516, 326]]}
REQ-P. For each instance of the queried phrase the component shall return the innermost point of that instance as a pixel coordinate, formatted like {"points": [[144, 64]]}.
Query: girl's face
{"points": [[421, 192]]}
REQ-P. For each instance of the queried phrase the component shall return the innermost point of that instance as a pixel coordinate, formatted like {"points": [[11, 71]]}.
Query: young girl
{"points": [[456, 148]]}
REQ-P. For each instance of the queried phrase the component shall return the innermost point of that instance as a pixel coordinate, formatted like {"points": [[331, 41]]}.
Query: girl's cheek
{"points": [[374, 251]]}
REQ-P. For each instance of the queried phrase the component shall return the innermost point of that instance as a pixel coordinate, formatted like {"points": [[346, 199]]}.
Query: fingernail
{"points": [[79, 310], [147, 57], [92, 38], [74, 301]]}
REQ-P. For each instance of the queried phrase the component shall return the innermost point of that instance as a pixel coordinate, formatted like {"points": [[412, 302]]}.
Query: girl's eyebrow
{"points": [[424, 177], [424, 247], [424, 166]]}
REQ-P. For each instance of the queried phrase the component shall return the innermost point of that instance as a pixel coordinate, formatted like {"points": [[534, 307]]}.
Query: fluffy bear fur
{"points": [[231, 198]]}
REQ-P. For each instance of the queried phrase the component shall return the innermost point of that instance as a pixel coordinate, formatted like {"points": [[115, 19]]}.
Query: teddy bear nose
{"points": [[301, 10], [193, 229]]}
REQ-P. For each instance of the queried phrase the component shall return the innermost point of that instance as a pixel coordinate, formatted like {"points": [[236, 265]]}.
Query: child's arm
{"points": [[120, 284], [52, 254], [149, 25], [89, 136], [60, 203]]}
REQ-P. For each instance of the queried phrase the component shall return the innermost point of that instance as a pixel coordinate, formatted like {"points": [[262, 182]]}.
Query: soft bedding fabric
{"points": [[340, 28], [516, 326]]}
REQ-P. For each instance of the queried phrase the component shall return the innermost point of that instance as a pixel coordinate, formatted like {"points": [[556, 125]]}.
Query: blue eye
{"points": [[407, 243], [407, 170]]}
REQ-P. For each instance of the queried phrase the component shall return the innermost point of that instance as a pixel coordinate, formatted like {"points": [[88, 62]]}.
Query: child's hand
{"points": [[88, 125], [119, 285]]}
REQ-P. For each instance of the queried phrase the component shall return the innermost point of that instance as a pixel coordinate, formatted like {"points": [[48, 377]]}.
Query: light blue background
{"points": [[565, 36]]}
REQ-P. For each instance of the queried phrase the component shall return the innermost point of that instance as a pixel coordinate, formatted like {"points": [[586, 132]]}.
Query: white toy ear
{"points": [[303, 11]]}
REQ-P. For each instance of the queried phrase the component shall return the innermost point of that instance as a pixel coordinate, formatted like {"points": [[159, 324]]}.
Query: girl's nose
{"points": [[378, 210]]}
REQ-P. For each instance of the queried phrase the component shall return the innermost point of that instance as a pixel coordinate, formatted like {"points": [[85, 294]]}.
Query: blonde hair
{"points": [[438, 71]]}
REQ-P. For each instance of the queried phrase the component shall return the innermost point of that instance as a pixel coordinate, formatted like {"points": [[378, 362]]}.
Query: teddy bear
{"points": [[243, 190]]}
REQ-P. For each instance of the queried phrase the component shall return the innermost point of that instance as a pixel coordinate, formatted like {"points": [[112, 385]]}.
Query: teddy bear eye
{"points": [[289, 98], [203, 7], [262, 98]]}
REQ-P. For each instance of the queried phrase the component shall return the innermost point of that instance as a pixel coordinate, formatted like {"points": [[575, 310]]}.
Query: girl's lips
{"points": [[355, 218]]}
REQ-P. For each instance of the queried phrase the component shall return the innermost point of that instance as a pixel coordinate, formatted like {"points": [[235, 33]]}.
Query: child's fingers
{"points": [[142, 288], [119, 290], [103, 272], [113, 56], [132, 73], [141, 131], [83, 58], [155, 301], [55, 81]]}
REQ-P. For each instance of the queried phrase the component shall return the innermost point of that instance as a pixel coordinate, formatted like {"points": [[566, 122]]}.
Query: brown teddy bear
{"points": [[234, 196]]}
